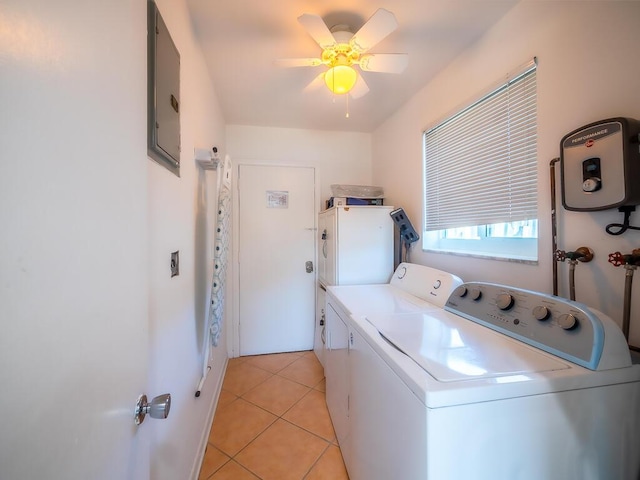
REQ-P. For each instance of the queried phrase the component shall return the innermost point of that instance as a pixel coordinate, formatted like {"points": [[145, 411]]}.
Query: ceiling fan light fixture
{"points": [[340, 79]]}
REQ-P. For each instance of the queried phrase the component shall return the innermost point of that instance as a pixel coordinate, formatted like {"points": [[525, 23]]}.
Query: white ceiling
{"points": [[241, 40]]}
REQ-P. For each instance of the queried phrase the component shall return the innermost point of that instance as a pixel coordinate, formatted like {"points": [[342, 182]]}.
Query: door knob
{"points": [[158, 408], [309, 266]]}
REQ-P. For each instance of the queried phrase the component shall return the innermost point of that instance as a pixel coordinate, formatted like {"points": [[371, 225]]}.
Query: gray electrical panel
{"points": [[163, 93]]}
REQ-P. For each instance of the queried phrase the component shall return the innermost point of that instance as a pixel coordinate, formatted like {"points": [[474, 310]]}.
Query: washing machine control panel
{"points": [[426, 283], [559, 326]]}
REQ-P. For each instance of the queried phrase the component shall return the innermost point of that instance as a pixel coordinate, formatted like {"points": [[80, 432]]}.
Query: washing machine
{"points": [[500, 384], [413, 288]]}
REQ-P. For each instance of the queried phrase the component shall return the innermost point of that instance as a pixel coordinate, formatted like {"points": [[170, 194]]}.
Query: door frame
{"points": [[233, 330]]}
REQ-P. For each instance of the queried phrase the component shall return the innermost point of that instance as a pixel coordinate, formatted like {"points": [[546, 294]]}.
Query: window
{"points": [[480, 169]]}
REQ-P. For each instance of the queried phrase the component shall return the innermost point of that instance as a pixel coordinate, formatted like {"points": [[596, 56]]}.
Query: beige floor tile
{"points": [[276, 394], [237, 424], [311, 354], [225, 399], [282, 452], [213, 460], [256, 390], [233, 362], [305, 370], [243, 377], [329, 467], [233, 471], [311, 413], [272, 363], [321, 386]]}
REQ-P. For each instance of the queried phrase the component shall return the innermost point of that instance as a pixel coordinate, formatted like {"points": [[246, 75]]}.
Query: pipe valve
{"points": [[617, 259], [582, 254]]}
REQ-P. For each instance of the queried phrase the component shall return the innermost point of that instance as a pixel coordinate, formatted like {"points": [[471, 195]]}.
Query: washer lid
{"points": [[382, 298], [452, 349]]}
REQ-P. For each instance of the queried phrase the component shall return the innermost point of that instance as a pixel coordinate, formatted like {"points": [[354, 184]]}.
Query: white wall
{"points": [[88, 225], [338, 158], [181, 215], [73, 214], [587, 72]]}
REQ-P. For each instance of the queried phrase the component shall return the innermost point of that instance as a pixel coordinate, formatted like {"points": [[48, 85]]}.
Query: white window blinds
{"points": [[481, 164]]}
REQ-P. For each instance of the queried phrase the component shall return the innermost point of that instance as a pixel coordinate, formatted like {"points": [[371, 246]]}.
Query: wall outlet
{"points": [[175, 263]]}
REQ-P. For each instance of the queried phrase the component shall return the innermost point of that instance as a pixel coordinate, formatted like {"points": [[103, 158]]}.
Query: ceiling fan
{"points": [[342, 50]]}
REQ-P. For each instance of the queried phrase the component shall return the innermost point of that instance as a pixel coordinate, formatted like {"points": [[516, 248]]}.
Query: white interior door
{"points": [[73, 283], [276, 239]]}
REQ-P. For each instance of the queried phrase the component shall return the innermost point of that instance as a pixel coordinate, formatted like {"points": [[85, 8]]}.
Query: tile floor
{"points": [[272, 422]]}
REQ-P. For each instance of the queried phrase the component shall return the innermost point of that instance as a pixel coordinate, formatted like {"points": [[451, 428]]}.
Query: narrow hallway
{"points": [[272, 422]]}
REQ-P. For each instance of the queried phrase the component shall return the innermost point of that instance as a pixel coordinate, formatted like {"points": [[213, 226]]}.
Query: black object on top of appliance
{"points": [[600, 165], [407, 232]]}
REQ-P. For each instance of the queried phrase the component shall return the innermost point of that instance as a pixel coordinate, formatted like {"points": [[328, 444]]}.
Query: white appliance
{"points": [[502, 383], [413, 288], [600, 164], [355, 246]]}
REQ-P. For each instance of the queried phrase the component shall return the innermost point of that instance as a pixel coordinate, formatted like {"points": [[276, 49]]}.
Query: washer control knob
{"points": [[461, 291], [476, 294], [504, 301], [567, 321], [541, 312]]}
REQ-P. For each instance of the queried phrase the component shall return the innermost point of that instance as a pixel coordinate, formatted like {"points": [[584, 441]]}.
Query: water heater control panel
{"points": [[600, 165]]}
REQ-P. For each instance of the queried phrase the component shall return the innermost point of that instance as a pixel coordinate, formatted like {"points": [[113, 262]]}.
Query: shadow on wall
{"points": [[201, 259]]}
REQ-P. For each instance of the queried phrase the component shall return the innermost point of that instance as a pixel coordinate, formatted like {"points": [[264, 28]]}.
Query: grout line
{"points": [[281, 417], [328, 443], [316, 462]]}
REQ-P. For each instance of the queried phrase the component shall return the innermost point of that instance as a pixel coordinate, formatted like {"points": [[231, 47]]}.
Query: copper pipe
{"points": [[554, 227], [572, 281], [626, 314]]}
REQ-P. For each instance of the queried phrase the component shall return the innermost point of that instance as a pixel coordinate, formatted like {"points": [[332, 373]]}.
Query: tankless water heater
{"points": [[600, 165]]}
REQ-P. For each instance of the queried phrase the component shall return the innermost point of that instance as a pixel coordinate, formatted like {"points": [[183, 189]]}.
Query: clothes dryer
{"points": [[412, 288]]}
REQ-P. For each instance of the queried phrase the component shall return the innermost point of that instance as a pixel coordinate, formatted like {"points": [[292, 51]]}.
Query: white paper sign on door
{"points": [[277, 199]]}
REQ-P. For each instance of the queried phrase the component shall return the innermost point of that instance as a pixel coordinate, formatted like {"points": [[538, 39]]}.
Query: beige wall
{"points": [[338, 157], [181, 212], [586, 73], [88, 225]]}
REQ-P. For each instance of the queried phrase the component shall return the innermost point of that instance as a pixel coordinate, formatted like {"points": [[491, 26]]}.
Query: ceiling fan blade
{"points": [[384, 62], [360, 88], [381, 24], [298, 62], [316, 83], [318, 30]]}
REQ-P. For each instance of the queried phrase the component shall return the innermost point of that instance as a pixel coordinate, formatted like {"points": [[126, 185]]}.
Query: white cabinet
{"points": [[383, 412], [319, 340], [355, 245], [337, 375], [371, 408], [326, 248]]}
